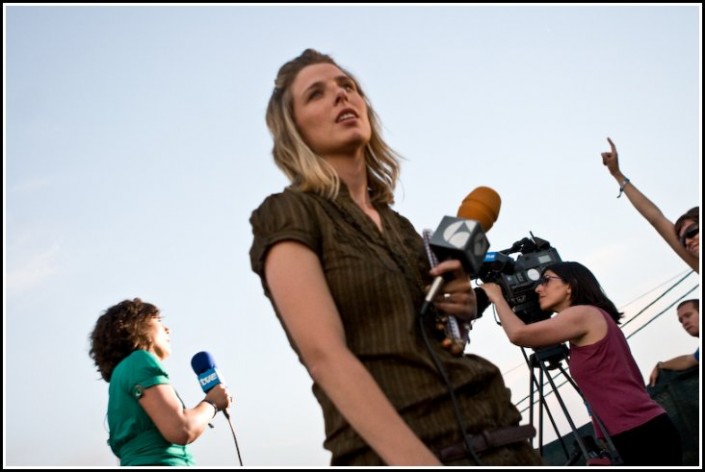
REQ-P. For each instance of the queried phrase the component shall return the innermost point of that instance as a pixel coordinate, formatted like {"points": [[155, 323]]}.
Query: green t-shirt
{"points": [[134, 438]]}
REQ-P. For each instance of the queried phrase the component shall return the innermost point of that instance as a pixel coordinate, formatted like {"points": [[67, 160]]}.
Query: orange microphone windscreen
{"points": [[481, 205]]}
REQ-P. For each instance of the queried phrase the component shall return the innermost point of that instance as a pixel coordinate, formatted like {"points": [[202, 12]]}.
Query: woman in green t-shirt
{"points": [[148, 422]]}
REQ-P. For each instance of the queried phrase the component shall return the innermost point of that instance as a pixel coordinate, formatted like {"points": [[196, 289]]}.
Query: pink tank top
{"points": [[611, 382]]}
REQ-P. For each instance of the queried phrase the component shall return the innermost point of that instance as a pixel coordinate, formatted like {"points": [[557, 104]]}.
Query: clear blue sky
{"points": [[135, 150]]}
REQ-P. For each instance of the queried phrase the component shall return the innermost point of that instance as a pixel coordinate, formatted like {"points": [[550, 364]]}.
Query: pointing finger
{"points": [[612, 146]]}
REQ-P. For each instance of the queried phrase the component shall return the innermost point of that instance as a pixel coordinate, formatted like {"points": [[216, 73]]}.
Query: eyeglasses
{"points": [[690, 233], [547, 278]]}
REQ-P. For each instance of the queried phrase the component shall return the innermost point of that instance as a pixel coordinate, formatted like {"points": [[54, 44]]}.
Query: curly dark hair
{"points": [[693, 215], [118, 332], [585, 289]]}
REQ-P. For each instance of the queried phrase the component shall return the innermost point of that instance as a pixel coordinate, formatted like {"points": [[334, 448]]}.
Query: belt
{"points": [[487, 440]]}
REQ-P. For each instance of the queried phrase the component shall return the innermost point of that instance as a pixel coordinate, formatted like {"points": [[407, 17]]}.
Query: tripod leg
{"points": [[578, 439], [544, 405], [537, 385], [532, 385]]}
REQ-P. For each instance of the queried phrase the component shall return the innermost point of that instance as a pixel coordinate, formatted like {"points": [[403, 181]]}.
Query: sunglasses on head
{"points": [[690, 232]]}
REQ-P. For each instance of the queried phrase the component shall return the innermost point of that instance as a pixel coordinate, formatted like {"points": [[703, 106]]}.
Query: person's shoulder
{"points": [[584, 311], [136, 361], [284, 202], [285, 195], [141, 357]]}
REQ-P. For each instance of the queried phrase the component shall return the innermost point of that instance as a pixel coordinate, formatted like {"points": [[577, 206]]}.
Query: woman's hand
{"points": [[611, 160], [456, 297], [220, 396], [493, 291]]}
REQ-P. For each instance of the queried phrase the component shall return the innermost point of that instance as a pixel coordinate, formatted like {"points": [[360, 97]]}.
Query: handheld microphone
{"points": [[204, 366], [463, 237], [456, 337]]}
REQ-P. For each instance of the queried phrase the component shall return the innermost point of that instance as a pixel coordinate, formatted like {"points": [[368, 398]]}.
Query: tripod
{"points": [[551, 358]]}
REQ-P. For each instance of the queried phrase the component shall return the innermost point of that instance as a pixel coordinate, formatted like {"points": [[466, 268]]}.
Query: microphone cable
{"points": [[232, 429], [451, 392], [439, 367]]}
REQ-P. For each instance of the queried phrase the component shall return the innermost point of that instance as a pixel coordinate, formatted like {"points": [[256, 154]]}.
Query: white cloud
{"points": [[32, 271]]}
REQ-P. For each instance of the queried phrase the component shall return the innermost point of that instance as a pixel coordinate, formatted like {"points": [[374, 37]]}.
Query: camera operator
{"points": [[600, 361]]}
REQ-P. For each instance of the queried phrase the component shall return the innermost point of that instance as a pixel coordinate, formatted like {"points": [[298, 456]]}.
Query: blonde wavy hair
{"points": [[308, 171]]}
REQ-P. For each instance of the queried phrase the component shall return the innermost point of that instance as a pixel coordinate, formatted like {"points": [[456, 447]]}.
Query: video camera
{"points": [[519, 278]]}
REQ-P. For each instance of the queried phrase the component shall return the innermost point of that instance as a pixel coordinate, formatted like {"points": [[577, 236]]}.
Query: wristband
{"points": [[215, 407], [621, 187]]}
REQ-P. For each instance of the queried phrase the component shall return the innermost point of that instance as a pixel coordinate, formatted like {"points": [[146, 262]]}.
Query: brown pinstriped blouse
{"points": [[377, 280]]}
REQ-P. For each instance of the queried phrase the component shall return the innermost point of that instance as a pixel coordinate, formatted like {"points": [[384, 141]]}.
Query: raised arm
{"points": [[300, 292], [647, 208]]}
